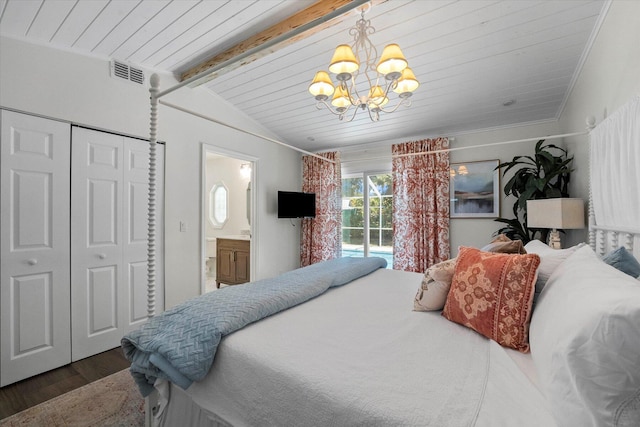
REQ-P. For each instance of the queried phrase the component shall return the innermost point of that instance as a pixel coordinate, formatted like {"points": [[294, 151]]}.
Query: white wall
{"points": [[475, 232], [78, 89], [610, 77], [478, 232]]}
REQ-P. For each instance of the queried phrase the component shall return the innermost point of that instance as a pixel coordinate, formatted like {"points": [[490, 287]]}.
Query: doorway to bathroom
{"points": [[228, 217]]}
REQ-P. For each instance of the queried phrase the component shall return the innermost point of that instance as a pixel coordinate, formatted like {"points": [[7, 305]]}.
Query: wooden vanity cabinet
{"points": [[232, 261]]}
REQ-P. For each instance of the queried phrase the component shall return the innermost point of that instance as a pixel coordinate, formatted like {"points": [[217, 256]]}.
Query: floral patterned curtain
{"points": [[321, 236], [420, 205]]}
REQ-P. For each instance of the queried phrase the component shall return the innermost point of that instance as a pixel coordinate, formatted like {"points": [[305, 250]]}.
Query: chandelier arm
{"points": [[370, 116], [374, 115], [350, 94], [388, 86], [405, 101], [321, 103], [353, 116], [353, 90], [369, 80], [370, 52]]}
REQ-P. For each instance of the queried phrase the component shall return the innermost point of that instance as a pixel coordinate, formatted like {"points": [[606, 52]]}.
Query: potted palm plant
{"points": [[544, 175]]}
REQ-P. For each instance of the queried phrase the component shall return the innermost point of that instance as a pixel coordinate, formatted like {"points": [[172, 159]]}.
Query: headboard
{"points": [[604, 239]]}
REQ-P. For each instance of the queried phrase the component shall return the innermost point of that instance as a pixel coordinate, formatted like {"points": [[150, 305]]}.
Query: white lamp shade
{"points": [[341, 98], [376, 97], [392, 60], [408, 82], [344, 60], [560, 213], [321, 85]]}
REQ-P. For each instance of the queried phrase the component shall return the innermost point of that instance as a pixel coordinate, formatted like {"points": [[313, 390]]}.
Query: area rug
{"points": [[110, 401]]}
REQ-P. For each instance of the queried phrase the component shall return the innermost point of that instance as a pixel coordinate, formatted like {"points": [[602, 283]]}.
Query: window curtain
{"points": [[420, 205], [321, 236], [615, 170]]}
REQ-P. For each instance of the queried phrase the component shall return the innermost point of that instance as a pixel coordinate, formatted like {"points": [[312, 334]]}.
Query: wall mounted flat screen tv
{"points": [[292, 204]]}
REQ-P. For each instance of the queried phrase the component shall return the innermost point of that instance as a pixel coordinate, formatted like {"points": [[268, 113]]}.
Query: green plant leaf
{"points": [[546, 174], [524, 196], [555, 147], [552, 193], [540, 183]]}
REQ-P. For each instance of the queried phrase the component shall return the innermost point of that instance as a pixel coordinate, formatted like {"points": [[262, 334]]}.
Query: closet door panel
{"points": [[137, 288], [136, 178], [102, 293], [34, 247], [32, 311], [96, 235]]}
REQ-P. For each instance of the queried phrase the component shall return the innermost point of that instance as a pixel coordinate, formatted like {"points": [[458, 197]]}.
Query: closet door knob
{"points": [[102, 256], [32, 261]]}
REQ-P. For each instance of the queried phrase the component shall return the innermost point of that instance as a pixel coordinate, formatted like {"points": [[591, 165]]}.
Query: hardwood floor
{"points": [[32, 391]]}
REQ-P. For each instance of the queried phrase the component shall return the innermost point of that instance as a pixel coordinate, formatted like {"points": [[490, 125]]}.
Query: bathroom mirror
{"points": [[249, 202], [219, 205]]}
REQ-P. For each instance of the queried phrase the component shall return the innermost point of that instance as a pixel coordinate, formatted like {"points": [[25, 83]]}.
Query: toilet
{"points": [[210, 257]]}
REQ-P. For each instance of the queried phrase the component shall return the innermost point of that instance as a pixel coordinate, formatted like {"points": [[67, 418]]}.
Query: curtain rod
{"points": [[211, 119], [446, 150]]}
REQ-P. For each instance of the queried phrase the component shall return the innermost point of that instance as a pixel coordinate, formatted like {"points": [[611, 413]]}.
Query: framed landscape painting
{"points": [[474, 189]]}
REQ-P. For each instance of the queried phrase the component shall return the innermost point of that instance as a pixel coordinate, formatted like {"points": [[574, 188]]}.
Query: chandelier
{"points": [[391, 74]]}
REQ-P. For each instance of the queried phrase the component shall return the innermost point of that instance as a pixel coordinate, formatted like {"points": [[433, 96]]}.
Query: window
{"points": [[218, 205], [367, 216]]}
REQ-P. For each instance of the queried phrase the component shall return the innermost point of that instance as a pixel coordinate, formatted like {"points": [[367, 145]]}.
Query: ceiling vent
{"points": [[121, 70]]}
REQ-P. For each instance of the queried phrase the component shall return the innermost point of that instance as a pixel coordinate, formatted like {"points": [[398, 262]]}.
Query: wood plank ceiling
{"points": [[481, 63]]}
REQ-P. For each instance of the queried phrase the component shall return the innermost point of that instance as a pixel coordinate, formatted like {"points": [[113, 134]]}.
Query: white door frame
{"points": [[253, 226]]}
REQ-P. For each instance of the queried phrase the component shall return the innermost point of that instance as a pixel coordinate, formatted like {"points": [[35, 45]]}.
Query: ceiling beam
{"points": [[301, 25]]}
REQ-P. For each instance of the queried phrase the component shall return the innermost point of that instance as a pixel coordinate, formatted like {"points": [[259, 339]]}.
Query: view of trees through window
{"points": [[379, 194]]}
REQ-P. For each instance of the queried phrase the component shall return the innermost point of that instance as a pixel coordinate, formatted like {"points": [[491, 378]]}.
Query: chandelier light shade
{"points": [[392, 62], [341, 99], [344, 62], [321, 86], [407, 83], [353, 66], [377, 97]]}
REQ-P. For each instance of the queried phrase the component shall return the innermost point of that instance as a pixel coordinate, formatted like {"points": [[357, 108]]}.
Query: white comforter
{"points": [[358, 355]]}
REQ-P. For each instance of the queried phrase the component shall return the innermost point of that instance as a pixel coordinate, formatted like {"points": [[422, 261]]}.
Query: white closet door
{"points": [[109, 239], [135, 204], [96, 241], [34, 248]]}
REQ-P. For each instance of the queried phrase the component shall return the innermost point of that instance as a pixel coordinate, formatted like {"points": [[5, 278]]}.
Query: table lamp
{"points": [[560, 213]]}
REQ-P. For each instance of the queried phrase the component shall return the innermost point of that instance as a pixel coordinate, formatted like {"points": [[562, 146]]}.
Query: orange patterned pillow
{"points": [[492, 294]]}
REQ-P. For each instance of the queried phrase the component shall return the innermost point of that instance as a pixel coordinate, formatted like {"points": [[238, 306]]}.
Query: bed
{"points": [[357, 354]]}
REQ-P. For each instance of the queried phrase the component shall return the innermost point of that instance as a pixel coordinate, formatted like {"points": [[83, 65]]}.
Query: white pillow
{"points": [[435, 286], [550, 259], [585, 343]]}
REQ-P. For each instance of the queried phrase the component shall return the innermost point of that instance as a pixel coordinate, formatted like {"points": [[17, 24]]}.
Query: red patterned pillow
{"points": [[492, 293]]}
